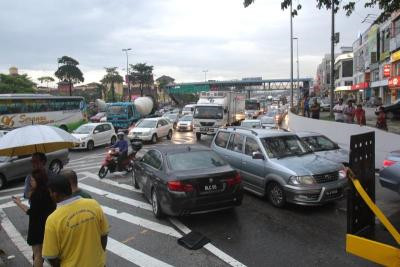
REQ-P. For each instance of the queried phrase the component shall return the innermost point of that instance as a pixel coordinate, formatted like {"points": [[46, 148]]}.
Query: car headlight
{"points": [[301, 180], [343, 174]]}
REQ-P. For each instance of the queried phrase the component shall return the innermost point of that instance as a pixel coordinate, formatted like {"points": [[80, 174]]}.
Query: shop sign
{"points": [[395, 56], [394, 82], [386, 70], [359, 86]]}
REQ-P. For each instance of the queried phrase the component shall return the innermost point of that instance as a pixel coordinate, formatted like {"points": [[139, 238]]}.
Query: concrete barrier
{"points": [[340, 132]]}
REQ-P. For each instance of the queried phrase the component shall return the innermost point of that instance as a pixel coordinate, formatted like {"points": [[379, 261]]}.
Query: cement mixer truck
{"points": [[123, 114]]}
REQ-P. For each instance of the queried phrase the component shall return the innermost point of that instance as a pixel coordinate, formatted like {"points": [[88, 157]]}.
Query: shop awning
{"points": [[342, 88]]}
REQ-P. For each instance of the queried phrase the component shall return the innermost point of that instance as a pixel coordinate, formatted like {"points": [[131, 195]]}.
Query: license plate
{"points": [[210, 187], [204, 129], [332, 192]]}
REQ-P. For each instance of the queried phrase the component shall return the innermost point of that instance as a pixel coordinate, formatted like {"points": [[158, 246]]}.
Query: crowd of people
{"points": [[347, 113], [66, 226]]}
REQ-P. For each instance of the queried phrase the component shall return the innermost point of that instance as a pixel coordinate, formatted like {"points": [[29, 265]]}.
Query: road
{"points": [[254, 234]]}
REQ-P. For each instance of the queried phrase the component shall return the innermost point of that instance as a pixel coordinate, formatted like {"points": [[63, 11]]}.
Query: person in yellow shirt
{"points": [[76, 232]]}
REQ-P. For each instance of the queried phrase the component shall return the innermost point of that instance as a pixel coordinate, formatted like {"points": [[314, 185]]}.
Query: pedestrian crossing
{"points": [[136, 237]]}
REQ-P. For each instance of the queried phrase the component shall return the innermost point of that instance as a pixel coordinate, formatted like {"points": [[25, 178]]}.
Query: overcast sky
{"points": [[180, 38]]}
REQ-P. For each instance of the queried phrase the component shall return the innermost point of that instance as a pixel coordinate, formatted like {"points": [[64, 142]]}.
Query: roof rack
{"points": [[242, 128]]}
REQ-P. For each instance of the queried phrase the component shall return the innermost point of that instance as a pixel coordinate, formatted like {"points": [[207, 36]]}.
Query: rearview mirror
{"points": [[96, 131], [258, 155]]}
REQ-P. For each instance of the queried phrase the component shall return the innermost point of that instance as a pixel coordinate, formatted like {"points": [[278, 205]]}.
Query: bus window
{"points": [[130, 112]]}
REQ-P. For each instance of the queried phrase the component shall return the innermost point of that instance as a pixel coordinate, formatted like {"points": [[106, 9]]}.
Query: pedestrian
{"points": [[41, 206], [306, 106], [338, 111], [348, 112], [315, 109], [73, 180], [38, 161], [359, 114], [381, 120], [76, 232]]}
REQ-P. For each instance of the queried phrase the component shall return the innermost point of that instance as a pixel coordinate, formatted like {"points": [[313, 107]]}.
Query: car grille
{"points": [[211, 123], [327, 177]]}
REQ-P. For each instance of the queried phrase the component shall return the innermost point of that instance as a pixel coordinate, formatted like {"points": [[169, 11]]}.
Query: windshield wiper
{"points": [[286, 155], [304, 153]]}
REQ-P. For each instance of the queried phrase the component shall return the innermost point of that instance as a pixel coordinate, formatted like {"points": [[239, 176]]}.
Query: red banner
{"points": [[359, 86], [386, 70], [394, 82]]}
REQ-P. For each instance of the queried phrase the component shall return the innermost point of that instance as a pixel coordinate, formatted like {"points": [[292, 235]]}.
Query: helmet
{"points": [[120, 134]]}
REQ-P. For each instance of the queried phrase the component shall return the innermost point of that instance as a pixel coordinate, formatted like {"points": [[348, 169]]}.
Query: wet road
{"points": [[254, 234]]}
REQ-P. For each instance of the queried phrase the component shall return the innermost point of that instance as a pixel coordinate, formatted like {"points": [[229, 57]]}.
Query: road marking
{"points": [[133, 255], [129, 201], [11, 189], [128, 239], [9, 196], [154, 226], [111, 182], [86, 168], [211, 248]]}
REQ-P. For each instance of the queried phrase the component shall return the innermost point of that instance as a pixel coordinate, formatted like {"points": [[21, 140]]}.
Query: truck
{"points": [[217, 109], [123, 114]]}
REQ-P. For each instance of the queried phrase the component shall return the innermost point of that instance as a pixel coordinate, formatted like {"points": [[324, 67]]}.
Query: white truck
{"points": [[217, 109]]}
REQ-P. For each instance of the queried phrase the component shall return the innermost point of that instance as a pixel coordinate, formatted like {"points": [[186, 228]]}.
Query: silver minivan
{"points": [[279, 165]]}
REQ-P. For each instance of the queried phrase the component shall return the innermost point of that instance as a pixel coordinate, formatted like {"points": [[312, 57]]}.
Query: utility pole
{"points": [[127, 72], [332, 57], [298, 69], [205, 75], [291, 56]]}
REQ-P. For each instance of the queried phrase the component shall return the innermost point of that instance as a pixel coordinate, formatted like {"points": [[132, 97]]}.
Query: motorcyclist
{"points": [[122, 146]]}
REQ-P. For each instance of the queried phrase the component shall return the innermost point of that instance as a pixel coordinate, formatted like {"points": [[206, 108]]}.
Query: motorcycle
{"points": [[110, 163]]}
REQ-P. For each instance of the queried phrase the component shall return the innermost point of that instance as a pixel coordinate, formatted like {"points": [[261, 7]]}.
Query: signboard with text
{"points": [[359, 86], [394, 82], [386, 70]]}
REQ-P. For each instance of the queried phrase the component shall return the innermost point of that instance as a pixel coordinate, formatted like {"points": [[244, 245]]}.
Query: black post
{"points": [[332, 89]]}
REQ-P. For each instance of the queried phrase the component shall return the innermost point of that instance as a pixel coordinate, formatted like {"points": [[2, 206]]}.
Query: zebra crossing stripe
{"points": [[111, 182]]}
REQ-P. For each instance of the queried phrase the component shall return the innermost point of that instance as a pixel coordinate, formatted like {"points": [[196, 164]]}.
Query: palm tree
{"points": [[69, 72], [112, 76], [142, 74]]}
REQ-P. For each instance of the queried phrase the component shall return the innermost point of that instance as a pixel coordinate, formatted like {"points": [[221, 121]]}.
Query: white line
{"points": [[107, 181], [154, 226], [133, 255], [129, 201], [87, 168], [11, 189], [211, 248], [9, 196]]}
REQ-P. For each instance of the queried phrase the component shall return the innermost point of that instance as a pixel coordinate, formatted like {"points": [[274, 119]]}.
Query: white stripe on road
{"points": [[154, 226], [211, 248], [87, 168], [129, 201], [9, 196], [11, 189], [111, 182], [133, 255]]}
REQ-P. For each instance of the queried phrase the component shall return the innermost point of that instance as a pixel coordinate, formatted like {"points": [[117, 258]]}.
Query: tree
{"points": [[69, 72], [142, 74], [387, 6], [46, 79], [112, 76], [16, 84]]}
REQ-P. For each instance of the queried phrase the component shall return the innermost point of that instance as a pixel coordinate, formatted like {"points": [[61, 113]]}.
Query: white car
{"points": [[95, 134], [151, 129]]}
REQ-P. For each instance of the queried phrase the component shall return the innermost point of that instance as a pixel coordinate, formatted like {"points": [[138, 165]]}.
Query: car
{"points": [[392, 158], [188, 109], [267, 122], [3, 132], [325, 147], [98, 117], [150, 129], [185, 123], [173, 118], [278, 165], [392, 111], [186, 179], [13, 168], [92, 135], [389, 177], [251, 124], [325, 105]]}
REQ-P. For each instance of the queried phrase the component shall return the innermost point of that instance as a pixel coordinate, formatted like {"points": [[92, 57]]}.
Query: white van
{"points": [[188, 109]]}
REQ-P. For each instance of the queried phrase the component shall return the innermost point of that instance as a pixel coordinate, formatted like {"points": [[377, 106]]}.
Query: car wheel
{"points": [[154, 139], [390, 115], [276, 195], [169, 136], [156, 205], [129, 167], [3, 181], [134, 181], [55, 166], [198, 136], [90, 145], [103, 172], [113, 140]]}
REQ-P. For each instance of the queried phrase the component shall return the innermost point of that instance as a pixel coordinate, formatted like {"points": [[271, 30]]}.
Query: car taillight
{"points": [[179, 186], [235, 180], [387, 163]]}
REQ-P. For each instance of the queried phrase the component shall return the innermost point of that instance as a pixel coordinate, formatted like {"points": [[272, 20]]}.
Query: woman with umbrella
{"points": [[41, 206]]}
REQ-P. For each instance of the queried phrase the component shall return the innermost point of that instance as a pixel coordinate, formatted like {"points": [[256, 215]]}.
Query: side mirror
{"points": [[258, 155], [96, 131], [225, 111]]}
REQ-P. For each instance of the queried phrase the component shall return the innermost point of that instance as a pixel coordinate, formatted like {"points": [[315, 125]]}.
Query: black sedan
{"points": [[186, 179]]}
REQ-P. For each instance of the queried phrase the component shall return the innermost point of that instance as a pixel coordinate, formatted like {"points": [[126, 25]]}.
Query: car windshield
{"points": [[186, 161], [171, 117], [319, 143], [4, 159], [204, 112], [250, 124], [267, 120], [186, 118], [117, 110], [271, 113], [147, 124], [84, 129], [284, 146]]}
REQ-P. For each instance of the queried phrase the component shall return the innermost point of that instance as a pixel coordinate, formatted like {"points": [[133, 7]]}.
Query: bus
{"points": [[252, 108], [66, 112]]}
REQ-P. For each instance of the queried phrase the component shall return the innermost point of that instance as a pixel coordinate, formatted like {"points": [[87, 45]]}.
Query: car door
{"points": [[107, 132], [253, 169], [97, 135], [235, 151], [150, 166], [220, 143], [19, 166]]}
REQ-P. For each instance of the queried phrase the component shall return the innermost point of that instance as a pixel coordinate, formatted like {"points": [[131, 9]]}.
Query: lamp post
{"points": [[205, 75], [291, 55], [297, 62], [332, 58], [127, 72]]}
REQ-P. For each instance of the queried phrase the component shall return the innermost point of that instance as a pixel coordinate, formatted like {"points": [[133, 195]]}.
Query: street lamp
{"points": [[297, 62], [205, 75], [291, 55], [127, 71]]}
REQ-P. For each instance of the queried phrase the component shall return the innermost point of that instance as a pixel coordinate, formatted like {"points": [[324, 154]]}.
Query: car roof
{"points": [[261, 133], [307, 134], [251, 121], [152, 119], [180, 148], [96, 123]]}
